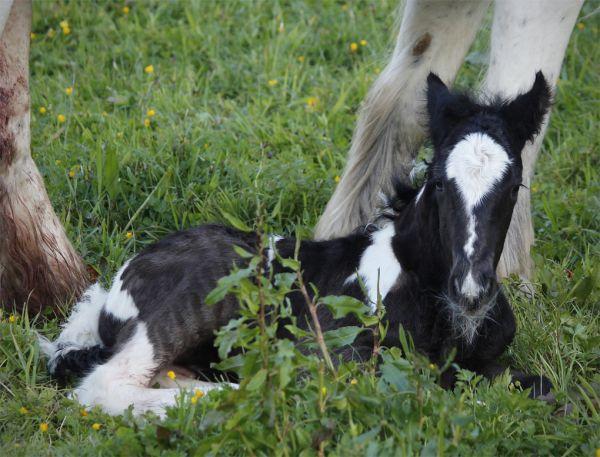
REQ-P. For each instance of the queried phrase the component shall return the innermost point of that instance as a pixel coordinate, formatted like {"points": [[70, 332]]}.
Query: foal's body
{"points": [[432, 261], [154, 316]]}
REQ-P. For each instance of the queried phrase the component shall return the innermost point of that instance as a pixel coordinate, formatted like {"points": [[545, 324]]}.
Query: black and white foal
{"points": [[432, 257]]}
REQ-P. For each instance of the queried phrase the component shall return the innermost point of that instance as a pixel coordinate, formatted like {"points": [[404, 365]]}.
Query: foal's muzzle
{"points": [[472, 291]]}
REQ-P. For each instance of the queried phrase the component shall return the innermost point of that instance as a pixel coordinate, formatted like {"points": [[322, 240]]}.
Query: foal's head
{"points": [[474, 182]]}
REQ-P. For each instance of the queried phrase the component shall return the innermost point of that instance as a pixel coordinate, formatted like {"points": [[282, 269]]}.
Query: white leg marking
{"points": [[187, 381], [119, 302], [123, 380], [379, 268], [80, 330]]}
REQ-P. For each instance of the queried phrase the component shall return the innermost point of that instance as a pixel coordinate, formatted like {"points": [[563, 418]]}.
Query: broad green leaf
{"points": [[342, 305], [257, 380], [342, 336]]}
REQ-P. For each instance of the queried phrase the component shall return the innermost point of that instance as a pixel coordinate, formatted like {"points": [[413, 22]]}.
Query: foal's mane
{"points": [[391, 205]]}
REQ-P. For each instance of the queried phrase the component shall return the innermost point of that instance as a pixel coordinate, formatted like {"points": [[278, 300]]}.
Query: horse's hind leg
{"points": [[434, 36], [527, 36], [124, 379]]}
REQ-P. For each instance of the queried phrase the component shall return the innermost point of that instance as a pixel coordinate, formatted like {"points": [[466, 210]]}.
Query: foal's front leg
{"points": [[540, 385], [496, 333]]}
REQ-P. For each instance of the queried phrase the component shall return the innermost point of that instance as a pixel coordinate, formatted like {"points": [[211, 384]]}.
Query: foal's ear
{"points": [[525, 114], [438, 95], [445, 108]]}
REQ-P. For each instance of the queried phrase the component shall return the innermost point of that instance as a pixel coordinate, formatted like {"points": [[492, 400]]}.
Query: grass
{"points": [[254, 109]]}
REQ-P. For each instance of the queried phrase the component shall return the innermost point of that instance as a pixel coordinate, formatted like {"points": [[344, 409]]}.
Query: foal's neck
{"points": [[417, 242]]}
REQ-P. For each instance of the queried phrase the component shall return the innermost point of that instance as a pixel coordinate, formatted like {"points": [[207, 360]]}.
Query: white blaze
{"points": [[476, 164]]}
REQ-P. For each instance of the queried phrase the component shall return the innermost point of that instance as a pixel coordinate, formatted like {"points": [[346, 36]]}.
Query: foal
{"points": [[432, 259]]}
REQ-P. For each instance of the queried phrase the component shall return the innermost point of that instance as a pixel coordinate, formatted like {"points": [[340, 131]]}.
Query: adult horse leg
{"points": [[526, 37], [434, 36], [38, 265]]}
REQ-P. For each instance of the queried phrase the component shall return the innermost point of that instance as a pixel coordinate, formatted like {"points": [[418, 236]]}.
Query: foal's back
{"points": [[165, 285]]}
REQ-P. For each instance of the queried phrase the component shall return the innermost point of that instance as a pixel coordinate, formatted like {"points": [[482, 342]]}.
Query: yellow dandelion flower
{"points": [[432, 366], [96, 426], [71, 173], [12, 318], [377, 70], [363, 42], [194, 400], [149, 69], [198, 393], [581, 26], [301, 59], [23, 410], [32, 35], [125, 10], [66, 30], [598, 452], [83, 412], [146, 122], [61, 118], [311, 102], [58, 162], [150, 112], [50, 33], [353, 47], [42, 110], [69, 90], [129, 235], [64, 24], [272, 82], [336, 179], [171, 374], [323, 390], [353, 382], [43, 427]]}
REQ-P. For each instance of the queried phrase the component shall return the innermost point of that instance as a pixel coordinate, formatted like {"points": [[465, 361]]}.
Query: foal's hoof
{"points": [[540, 387]]}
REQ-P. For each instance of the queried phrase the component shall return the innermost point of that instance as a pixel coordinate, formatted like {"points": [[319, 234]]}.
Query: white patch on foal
{"points": [[123, 380], [273, 239], [378, 263], [80, 330], [470, 288], [476, 164], [420, 194], [119, 302]]}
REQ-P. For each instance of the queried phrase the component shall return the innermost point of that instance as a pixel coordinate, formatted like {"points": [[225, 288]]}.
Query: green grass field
{"points": [[231, 111]]}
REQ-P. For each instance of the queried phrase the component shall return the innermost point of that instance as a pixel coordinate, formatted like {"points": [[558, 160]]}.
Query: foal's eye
{"points": [[439, 186], [515, 191]]}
